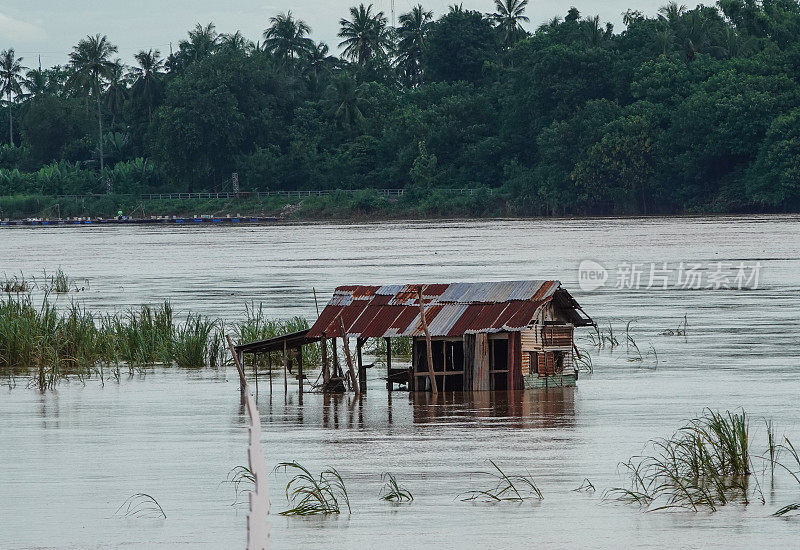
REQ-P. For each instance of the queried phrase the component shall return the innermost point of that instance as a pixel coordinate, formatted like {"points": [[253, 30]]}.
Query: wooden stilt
{"points": [[350, 369], [362, 372], [269, 364], [428, 343], [237, 361], [255, 372], [326, 373], [388, 363], [285, 369], [300, 368]]}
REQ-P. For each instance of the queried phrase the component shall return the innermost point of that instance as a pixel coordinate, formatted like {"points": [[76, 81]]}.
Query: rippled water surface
{"points": [[70, 457]]}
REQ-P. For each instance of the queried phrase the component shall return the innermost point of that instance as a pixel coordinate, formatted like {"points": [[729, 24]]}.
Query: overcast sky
{"points": [[51, 27]]}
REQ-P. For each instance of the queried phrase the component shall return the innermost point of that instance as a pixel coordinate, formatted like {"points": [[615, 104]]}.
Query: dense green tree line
{"points": [[688, 110]]}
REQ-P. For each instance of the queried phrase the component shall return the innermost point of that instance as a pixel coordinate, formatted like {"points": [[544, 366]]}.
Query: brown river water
{"points": [[70, 457]]}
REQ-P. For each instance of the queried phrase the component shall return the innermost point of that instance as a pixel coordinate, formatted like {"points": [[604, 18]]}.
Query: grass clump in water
{"points": [[141, 505], [191, 342], [16, 285], [704, 465], [392, 491], [314, 495], [507, 488]]}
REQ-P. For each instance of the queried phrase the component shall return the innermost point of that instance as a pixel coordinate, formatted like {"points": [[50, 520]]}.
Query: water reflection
{"points": [[552, 408]]}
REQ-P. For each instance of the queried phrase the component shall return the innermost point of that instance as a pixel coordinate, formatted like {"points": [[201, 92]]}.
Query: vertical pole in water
{"points": [[350, 369], [269, 364], [300, 368], [362, 372], [240, 361], [255, 372], [388, 363], [285, 369], [428, 344], [326, 374]]}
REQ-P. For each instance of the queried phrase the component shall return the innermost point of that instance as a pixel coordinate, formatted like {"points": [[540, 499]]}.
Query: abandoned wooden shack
{"points": [[508, 335]]}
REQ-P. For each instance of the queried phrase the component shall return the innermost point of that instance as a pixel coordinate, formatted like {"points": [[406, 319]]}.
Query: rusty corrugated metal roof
{"points": [[450, 309]]}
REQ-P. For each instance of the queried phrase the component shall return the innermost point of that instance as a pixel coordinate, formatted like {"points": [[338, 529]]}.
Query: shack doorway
{"points": [[498, 363]]}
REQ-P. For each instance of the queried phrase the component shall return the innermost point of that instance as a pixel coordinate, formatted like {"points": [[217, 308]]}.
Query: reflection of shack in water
{"points": [[470, 337], [550, 408]]}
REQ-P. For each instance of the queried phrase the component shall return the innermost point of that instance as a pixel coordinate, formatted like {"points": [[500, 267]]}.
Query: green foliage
{"points": [[685, 110], [314, 495]]}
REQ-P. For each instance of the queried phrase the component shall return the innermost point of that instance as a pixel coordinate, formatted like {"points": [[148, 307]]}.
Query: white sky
{"points": [[51, 27]]}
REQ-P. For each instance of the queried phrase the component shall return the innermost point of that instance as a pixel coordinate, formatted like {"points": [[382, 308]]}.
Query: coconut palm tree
{"points": [[235, 42], [366, 35], [92, 64], [11, 82], [414, 26], [287, 38], [201, 43], [346, 101], [147, 74], [36, 83], [509, 16], [672, 11], [117, 90]]}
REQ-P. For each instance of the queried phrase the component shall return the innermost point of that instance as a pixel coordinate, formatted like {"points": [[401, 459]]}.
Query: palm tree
{"points": [[235, 42], [11, 82], [672, 11], [413, 28], [201, 43], [36, 83], [91, 61], [346, 101], [117, 90], [366, 35], [509, 18], [287, 38], [147, 85], [318, 60]]}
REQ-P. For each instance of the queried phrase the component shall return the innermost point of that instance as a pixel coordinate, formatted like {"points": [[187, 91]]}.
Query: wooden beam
{"points": [[428, 343], [481, 377], [362, 372], [237, 361], [388, 363], [299, 356], [326, 373], [285, 369], [350, 369]]}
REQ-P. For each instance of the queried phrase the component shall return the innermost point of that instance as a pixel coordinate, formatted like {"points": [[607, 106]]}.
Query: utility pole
{"points": [[393, 26]]}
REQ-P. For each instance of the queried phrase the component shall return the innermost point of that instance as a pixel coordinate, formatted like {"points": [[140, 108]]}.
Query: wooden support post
{"points": [[255, 371], [269, 364], [326, 373], [300, 368], [362, 372], [428, 343], [388, 363], [285, 369], [237, 361], [240, 357], [469, 361], [481, 376], [350, 369]]}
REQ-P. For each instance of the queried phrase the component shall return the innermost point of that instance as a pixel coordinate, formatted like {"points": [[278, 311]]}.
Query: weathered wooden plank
{"points": [[468, 342], [480, 376], [428, 343]]}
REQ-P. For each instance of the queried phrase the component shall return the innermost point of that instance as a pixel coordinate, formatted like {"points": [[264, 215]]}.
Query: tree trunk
{"points": [[100, 124], [10, 121]]}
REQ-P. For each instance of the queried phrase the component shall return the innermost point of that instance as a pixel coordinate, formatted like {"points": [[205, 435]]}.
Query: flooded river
{"points": [[70, 457]]}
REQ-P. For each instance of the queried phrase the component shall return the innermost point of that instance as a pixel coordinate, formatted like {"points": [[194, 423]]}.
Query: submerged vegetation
{"points": [[506, 488], [314, 495], [50, 343], [704, 465], [392, 491]]}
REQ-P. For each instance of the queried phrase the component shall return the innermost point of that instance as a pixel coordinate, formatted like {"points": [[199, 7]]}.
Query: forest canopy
{"points": [[685, 110]]}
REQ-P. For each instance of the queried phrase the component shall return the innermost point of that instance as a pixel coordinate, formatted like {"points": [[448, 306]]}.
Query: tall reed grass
{"points": [[52, 343], [704, 465]]}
